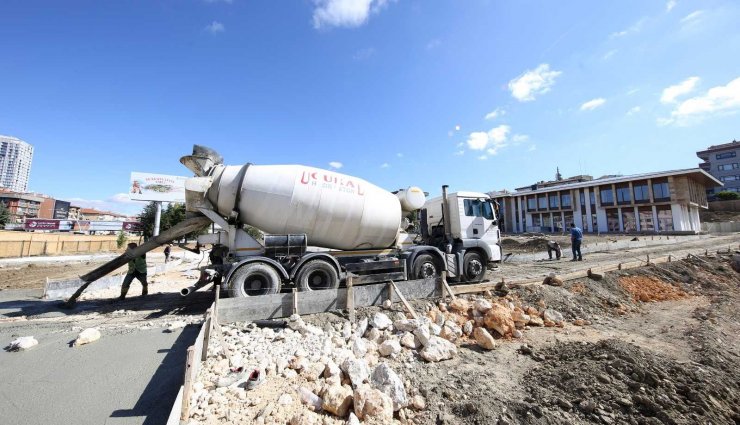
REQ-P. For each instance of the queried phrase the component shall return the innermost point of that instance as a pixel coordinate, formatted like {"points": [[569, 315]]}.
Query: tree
{"points": [[4, 214], [121, 239], [172, 215], [726, 195]]}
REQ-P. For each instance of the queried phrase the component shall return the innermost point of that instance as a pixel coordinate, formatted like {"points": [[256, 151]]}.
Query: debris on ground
{"points": [[87, 336], [648, 288], [22, 344]]}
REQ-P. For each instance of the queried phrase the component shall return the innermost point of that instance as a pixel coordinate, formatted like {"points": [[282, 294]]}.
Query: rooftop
{"points": [[730, 145]]}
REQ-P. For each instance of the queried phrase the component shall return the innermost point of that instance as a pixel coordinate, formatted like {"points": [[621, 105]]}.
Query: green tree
{"points": [[121, 240], [147, 219], [726, 195], [4, 214], [173, 214]]}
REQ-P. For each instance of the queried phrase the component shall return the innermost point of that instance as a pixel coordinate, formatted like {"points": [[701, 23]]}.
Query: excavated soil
{"points": [[672, 360], [33, 276]]}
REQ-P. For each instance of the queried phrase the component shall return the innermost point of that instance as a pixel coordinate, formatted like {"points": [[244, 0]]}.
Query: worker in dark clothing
{"points": [[167, 250], [576, 236], [553, 246], [136, 269]]}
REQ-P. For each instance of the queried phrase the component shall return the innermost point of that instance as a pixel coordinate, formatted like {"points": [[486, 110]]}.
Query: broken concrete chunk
{"points": [[499, 319], [423, 334], [460, 305], [408, 340], [482, 305], [310, 399], [536, 321], [468, 327], [87, 336], [22, 344], [359, 347], [285, 399], [390, 347], [361, 327], [418, 402], [553, 316], [352, 420], [357, 370]]}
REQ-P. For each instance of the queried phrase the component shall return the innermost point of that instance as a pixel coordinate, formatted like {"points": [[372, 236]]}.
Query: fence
{"points": [[21, 244], [721, 227]]}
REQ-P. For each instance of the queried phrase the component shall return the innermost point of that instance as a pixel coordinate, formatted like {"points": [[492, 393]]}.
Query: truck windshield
{"points": [[478, 208]]}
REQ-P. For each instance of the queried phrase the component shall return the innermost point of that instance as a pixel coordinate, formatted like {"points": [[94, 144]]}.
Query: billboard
{"points": [[61, 210], [132, 226], [156, 187], [41, 224]]}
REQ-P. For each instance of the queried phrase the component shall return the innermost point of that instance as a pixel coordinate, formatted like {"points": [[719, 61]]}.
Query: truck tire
{"points": [[424, 267], [254, 279], [474, 268], [317, 275]]}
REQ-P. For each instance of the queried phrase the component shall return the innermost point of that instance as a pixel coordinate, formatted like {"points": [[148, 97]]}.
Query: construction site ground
{"points": [[650, 361]]}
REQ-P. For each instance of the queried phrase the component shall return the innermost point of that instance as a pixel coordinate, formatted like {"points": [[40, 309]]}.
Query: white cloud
{"points": [[519, 138], [692, 17], [532, 148], [670, 5], [400, 155], [433, 44], [609, 54], [498, 112], [593, 104], [633, 110], [215, 27], [721, 100], [670, 94], [336, 164], [483, 157], [635, 28], [533, 83], [492, 140], [461, 152], [385, 165], [345, 13], [118, 202], [364, 54]]}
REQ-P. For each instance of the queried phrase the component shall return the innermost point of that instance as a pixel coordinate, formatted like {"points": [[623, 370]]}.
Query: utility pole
{"points": [[157, 217]]}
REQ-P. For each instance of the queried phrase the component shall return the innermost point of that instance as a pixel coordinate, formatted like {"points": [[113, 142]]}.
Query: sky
{"points": [[480, 95]]}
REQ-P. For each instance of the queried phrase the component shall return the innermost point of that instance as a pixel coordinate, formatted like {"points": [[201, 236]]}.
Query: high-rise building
{"points": [[722, 161], [15, 163]]}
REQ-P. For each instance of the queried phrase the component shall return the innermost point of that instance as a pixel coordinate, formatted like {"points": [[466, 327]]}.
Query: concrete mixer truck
{"points": [[321, 225]]}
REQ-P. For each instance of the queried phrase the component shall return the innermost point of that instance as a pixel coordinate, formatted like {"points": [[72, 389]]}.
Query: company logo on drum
{"points": [[326, 180]]}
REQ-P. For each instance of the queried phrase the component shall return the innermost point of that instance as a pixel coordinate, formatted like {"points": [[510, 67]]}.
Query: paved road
{"points": [[130, 376]]}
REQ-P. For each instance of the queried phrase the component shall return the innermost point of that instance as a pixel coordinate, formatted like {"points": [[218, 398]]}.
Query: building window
{"points": [[568, 219], [612, 220], [727, 167], [546, 223], [729, 178], [725, 155], [665, 218], [542, 202], [554, 204], [536, 220], [646, 219], [607, 196], [628, 220], [623, 195], [661, 192], [592, 198], [582, 197], [565, 200], [641, 193], [531, 204]]}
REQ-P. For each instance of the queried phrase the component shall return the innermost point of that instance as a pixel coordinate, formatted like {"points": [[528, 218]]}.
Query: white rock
{"points": [[285, 399], [435, 329], [468, 327], [337, 400], [87, 336], [418, 402], [310, 399], [361, 327], [373, 405], [331, 369], [553, 315], [390, 347], [482, 305], [387, 304], [352, 420], [22, 344], [178, 324], [423, 334], [438, 349], [359, 347], [386, 380], [380, 321], [408, 340], [346, 330], [517, 333], [406, 325], [357, 370], [484, 339], [373, 335]]}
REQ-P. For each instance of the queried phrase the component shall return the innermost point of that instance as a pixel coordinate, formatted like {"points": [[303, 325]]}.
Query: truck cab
{"points": [[470, 235]]}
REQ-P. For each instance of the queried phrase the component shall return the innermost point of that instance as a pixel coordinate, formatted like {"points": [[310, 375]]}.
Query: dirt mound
{"points": [[644, 288], [616, 382], [530, 245]]}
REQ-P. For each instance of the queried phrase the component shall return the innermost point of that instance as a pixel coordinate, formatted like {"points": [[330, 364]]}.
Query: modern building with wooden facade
{"points": [[660, 202]]}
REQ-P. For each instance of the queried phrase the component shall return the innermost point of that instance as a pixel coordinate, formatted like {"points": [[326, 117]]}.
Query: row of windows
{"points": [[729, 178], [728, 167], [641, 193], [725, 155]]}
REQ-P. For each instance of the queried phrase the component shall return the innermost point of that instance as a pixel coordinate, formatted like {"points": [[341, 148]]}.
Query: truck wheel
{"points": [[474, 268], [424, 267], [316, 275], [254, 279]]}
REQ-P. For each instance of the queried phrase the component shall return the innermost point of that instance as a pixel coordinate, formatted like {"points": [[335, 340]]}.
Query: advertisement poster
{"points": [[157, 187]]}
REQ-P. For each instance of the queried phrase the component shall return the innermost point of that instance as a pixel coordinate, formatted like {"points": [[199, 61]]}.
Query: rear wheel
{"points": [[474, 268], [254, 279], [316, 275], [424, 267]]}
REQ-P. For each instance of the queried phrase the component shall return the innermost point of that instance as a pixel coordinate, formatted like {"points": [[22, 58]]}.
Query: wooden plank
{"points": [[221, 342], [403, 300], [295, 301], [351, 299], [188, 384], [375, 278], [174, 418], [447, 287]]}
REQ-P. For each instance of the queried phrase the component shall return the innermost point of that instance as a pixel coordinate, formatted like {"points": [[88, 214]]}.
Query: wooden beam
{"points": [[403, 300], [350, 299], [447, 287]]}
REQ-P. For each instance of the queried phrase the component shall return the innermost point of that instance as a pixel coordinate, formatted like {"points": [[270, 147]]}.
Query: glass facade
{"points": [[565, 200], [623, 195], [646, 219], [607, 196], [661, 191], [629, 221], [612, 220], [531, 204], [665, 218], [554, 201], [641, 192], [542, 202]]}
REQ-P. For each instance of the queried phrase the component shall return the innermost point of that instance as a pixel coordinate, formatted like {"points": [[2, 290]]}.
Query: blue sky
{"points": [[476, 94]]}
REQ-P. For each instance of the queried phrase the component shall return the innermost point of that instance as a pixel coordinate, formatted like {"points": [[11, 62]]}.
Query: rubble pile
{"points": [[648, 288], [347, 371]]}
